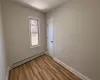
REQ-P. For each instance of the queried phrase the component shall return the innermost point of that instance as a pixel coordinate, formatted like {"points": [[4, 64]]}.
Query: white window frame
{"points": [[38, 32]]}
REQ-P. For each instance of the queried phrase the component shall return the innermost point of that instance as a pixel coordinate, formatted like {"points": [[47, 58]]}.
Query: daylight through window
{"points": [[34, 30]]}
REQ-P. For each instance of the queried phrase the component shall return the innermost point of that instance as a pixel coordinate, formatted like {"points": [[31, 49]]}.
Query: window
{"points": [[34, 31]]}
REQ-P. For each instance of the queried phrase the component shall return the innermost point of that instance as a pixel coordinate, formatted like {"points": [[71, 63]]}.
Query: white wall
{"points": [[77, 36], [3, 65], [16, 29]]}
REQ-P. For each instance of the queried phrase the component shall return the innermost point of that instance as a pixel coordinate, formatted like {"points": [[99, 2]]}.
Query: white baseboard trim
{"points": [[72, 70], [26, 60], [7, 76]]}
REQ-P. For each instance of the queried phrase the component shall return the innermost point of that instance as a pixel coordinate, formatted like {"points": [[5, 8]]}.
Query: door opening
{"points": [[50, 37]]}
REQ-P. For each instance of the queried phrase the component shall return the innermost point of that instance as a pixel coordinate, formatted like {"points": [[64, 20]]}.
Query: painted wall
{"points": [[77, 36], [16, 31], [3, 64]]}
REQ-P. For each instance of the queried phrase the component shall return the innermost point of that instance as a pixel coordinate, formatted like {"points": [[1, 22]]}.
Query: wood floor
{"points": [[41, 68]]}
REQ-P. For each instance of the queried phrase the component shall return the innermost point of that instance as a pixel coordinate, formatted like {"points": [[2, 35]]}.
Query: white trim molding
{"points": [[38, 19], [71, 70]]}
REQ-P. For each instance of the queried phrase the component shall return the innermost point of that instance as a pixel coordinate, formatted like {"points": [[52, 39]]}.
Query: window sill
{"points": [[35, 46]]}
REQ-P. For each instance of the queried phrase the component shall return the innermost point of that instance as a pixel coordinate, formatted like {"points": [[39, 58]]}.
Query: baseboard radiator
{"points": [[26, 60]]}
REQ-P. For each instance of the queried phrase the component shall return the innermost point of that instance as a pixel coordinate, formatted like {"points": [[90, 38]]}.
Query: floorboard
{"points": [[41, 68]]}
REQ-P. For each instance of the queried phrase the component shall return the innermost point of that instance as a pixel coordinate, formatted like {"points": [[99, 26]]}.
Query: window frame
{"points": [[38, 32]]}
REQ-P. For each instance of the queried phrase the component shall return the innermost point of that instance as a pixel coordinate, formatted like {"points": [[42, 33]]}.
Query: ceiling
{"points": [[43, 5]]}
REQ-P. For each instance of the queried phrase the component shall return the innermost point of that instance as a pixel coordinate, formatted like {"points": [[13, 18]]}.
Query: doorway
{"points": [[50, 37]]}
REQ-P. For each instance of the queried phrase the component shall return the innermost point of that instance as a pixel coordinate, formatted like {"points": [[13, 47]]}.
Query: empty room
{"points": [[49, 40]]}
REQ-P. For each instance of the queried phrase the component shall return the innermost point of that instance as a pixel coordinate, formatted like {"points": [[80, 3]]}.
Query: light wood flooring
{"points": [[41, 68]]}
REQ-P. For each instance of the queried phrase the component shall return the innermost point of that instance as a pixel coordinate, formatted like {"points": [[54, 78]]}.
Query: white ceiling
{"points": [[43, 5]]}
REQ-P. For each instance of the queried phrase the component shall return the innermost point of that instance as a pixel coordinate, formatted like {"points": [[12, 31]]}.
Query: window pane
{"points": [[34, 32]]}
